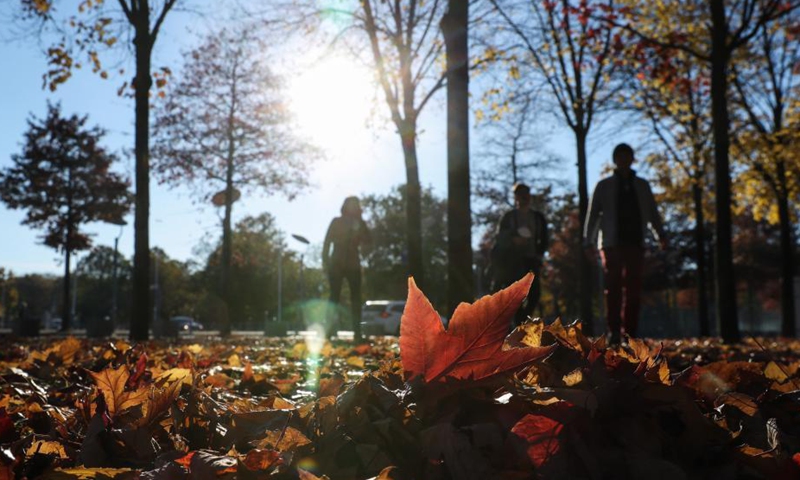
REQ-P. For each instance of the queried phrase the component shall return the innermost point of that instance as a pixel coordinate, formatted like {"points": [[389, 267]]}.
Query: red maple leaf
{"points": [[541, 434], [472, 345]]}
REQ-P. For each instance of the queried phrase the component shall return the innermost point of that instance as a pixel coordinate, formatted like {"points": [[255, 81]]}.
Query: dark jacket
{"points": [[346, 235], [603, 211], [510, 262]]}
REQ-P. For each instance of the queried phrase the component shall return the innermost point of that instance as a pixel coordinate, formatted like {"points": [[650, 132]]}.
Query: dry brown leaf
{"points": [[330, 386], [658, 372], [529, 334], [220, 380], [68, 348], [389, 473], [111, 383], [355, 361], [158, 400], [260, 460], [86, 473], [306, 475], [573, 378], [283, 440], [234, 361], [47, 447], [773, 371], [247, 375], [183, 375], [278, 403], [743, 402], [569, 335]]}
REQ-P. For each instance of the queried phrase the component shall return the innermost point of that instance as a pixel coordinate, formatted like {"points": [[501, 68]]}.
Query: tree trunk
{"points": [[787, 262], [700, 259], [460, 284], [227, 236], [227, 247], [413, 207], [725, 282], [584, 266], [66, 311], [141, 260]]}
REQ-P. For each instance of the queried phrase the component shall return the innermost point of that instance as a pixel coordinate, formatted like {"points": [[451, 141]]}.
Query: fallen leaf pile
{"points": [[462, 402]]}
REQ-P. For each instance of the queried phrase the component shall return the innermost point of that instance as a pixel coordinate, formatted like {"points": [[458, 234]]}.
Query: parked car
{"points": [[184, 324], [382, 317]]}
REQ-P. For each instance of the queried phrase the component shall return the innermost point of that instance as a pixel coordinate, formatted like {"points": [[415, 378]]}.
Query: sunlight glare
{"points": [[331, 102]]}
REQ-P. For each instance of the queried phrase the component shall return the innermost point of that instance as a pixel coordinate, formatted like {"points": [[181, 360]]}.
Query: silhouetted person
{"points": [[622, 207], [520, 243], [346, 233]]}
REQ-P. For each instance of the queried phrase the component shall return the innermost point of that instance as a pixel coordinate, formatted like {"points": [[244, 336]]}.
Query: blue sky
{"points": [[369, 160]]}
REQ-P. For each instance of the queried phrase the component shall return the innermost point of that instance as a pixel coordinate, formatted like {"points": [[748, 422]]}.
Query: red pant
{"points": [[623, 268]]}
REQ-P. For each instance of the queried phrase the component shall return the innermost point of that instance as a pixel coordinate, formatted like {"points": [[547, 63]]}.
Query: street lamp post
{"points": [[156, 292], [74, 292], [305, 242], [300, 239], [114, 282], [280, 281], [115, 285]]}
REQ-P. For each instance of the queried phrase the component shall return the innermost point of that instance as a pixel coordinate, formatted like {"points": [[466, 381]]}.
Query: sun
{"points": [[332, 103]]}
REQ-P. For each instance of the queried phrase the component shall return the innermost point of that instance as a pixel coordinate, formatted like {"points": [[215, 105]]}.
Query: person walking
{"points": [[345, 235], [621, 208], [520, 244]]}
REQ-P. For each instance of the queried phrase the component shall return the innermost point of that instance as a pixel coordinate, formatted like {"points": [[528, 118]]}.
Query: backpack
{"points": [[503, 257]]}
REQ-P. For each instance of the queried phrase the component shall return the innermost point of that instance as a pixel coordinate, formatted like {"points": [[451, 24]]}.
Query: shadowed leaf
{"points": [[541, 434]]}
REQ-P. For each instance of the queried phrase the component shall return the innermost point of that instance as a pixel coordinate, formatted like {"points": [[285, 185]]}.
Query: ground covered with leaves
{"points": [[458, 403]]}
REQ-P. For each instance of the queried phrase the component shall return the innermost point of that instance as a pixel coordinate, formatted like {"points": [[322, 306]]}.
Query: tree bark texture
{"points": [[413, 208], [227, 246], [788, 328], [66, 312], [142, 297], [584, 266], [460, 283], [700, 260], [727, 315]]}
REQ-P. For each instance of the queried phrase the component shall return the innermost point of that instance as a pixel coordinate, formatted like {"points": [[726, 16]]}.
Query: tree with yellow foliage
{"points": [[767, 91], [713, 31], [671, 90]]}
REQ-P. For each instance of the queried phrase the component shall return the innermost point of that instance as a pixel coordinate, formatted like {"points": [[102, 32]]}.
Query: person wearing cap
{"points": [[520, 243], [621, 208], [346, 234]]}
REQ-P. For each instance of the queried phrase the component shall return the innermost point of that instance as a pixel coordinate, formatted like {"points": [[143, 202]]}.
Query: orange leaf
{"points": [[472, 346], [185, 460]]}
